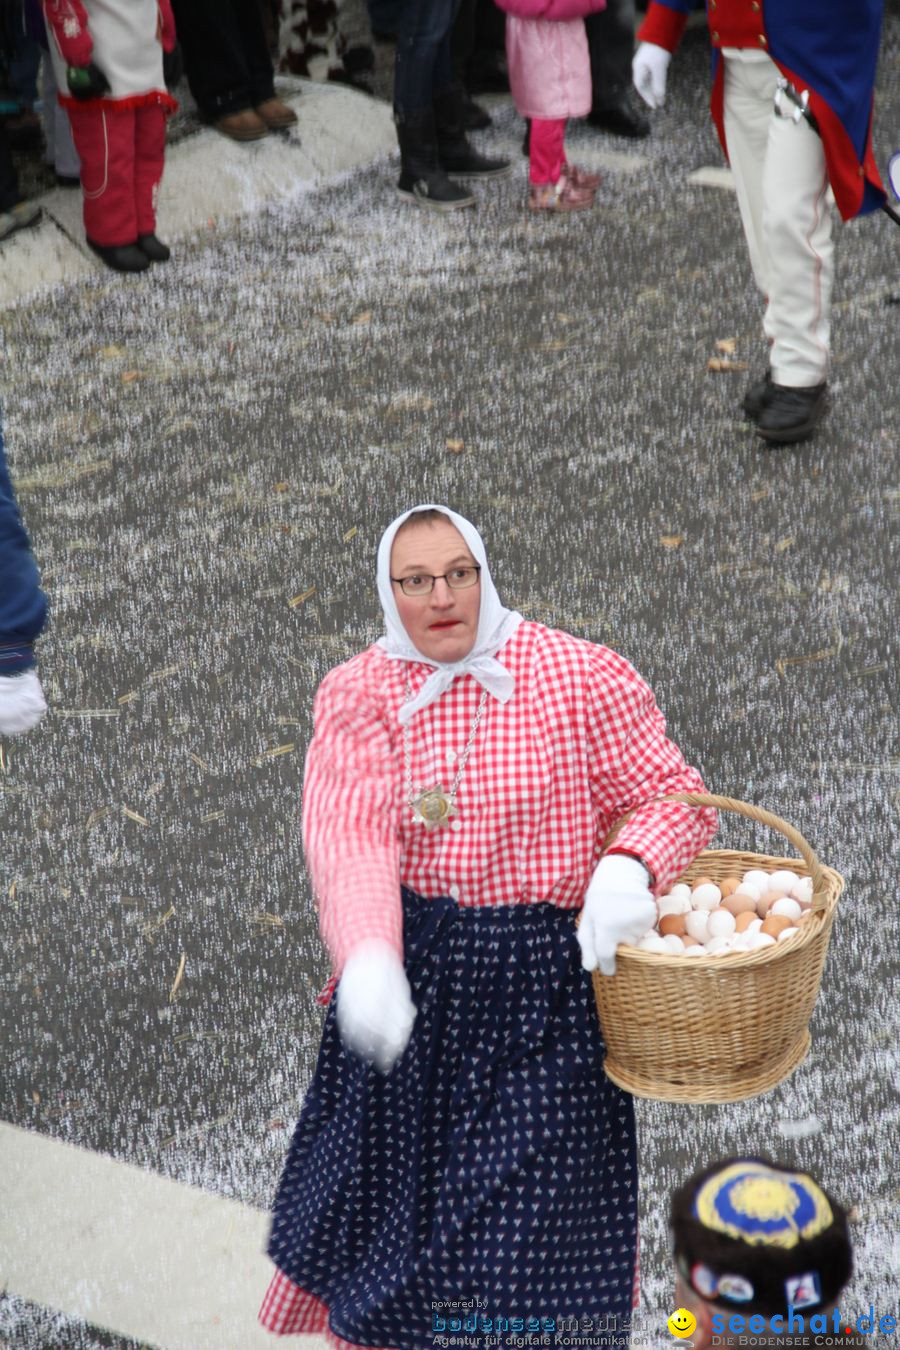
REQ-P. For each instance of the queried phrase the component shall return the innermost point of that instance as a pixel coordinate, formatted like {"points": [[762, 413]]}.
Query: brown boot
{"points": [[276, 114], [245, 125]]}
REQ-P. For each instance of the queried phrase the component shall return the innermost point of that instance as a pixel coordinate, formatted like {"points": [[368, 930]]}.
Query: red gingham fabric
{"points": [[580, 743]]}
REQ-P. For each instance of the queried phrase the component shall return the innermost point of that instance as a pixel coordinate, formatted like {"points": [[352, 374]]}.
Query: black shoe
{"points": [[487, 74], [455, 153], [154, 248], [476, 118], [422, 179], [121, 257], [526, 139], [791, 414], [757, 396], [620, 121], [67, 180]]}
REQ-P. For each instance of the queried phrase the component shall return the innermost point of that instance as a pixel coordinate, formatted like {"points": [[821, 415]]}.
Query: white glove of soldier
{"points": [[618, 908], [648, 71], [374, 1010], [22, 702]]}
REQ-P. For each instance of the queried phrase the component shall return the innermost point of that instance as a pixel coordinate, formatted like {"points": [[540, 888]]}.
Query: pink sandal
{"points": [[560, 196], [580, 178]]}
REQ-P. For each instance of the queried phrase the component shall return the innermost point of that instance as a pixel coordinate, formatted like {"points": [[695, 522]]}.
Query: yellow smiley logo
{"points": [[682, 1323]]}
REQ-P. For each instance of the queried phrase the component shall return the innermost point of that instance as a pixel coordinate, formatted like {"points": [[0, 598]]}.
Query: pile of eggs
{"points": [[736, 914]]}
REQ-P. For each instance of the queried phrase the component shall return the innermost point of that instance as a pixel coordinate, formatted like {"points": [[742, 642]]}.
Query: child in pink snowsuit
{"points": [[108, 60], [550, 79]]}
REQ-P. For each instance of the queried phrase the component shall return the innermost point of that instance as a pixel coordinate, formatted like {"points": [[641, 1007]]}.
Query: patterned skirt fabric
{"points": [[493, 1169]]}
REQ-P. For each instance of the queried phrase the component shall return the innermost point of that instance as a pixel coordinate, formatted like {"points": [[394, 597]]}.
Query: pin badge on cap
{"points": [[735, 1287], [803, 1291]]}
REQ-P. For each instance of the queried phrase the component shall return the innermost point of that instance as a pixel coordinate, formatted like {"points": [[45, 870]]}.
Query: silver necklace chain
{"points": [[463, 759]]}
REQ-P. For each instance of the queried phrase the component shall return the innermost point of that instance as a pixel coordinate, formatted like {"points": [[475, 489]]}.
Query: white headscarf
{"points": [[495, 624]]}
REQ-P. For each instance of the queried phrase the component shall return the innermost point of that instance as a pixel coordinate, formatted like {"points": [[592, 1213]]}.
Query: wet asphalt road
{"points": [[206, 459]]}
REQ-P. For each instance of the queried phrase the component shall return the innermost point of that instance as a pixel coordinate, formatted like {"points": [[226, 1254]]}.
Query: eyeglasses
{"points": [[459, 579]]}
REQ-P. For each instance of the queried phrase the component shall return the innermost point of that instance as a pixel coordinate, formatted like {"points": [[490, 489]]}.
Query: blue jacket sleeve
{"points": [[23, 605]]}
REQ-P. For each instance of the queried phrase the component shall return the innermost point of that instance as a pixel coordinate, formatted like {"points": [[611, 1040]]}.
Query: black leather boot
{"points": [[121, 257], [757, 396], [456, 154], [154, 248], [792, 414], [422, 179]]}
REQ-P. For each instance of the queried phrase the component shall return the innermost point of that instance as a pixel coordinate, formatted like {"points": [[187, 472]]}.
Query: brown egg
{"points": [[740, 904], [766, 901], [728, 885], [702, 881], [689, 941], [744, 920], [672, 923], [775, 924]]}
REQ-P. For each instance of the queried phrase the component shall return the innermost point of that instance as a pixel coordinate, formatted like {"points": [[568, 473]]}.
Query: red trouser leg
{"points": [[104, 139], [546, 153], [149, 154]]}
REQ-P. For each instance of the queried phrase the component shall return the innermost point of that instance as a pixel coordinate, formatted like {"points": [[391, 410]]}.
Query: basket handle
{"points": [[757, 813]]}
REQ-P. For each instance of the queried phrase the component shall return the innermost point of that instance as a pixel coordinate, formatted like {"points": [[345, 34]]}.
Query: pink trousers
{"points": [[546, 153]]}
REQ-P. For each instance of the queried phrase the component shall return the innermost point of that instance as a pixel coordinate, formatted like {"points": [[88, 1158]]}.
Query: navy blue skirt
{"points": [[494, 1168]]}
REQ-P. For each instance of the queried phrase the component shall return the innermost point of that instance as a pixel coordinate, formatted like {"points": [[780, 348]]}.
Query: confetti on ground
{"points": [[671, 540], [720, 364]]}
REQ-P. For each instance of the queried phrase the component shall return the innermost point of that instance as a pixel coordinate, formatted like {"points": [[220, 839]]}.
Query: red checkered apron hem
{"points": [[288, 1310]]}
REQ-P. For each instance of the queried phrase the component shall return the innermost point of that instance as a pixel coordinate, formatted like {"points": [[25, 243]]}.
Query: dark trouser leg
{"points": [[252, 35], [423, 62], [9, 183], [214, 58], [611, 42], [463, 40]]}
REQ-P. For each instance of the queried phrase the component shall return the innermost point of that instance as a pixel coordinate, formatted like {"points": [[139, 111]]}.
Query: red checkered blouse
{"points": [[580, 742]]}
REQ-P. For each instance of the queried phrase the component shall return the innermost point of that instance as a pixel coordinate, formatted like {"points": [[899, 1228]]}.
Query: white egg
{"points": [[748, 888], [754, 926], [802, 889], [756, 877], [652, 943], [681, 892], [786, 933], [707, 896], [699, 950], [673, 904], [741, 941], [789, 908], [673, 942], [720, 924], [695, 924], [783, 880], [762, 940], [717, 945]]}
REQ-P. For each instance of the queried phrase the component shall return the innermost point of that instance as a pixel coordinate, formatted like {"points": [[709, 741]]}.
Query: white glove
{"points": [[22, 702], [648, 71], [374, 1010], [618, 908]]}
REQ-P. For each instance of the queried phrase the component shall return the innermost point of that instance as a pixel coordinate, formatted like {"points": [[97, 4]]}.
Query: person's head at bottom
{"points": [[762, 1252]]}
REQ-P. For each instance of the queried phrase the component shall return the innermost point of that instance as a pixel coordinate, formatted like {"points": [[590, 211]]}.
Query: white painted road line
{"points": [[130, 1251]]}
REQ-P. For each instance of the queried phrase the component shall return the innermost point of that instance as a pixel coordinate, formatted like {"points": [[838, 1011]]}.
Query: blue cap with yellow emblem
{"points": [[754, 1235]]}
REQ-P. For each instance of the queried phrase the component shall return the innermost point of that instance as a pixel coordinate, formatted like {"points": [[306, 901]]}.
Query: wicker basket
{"points": [[718, 1028]]}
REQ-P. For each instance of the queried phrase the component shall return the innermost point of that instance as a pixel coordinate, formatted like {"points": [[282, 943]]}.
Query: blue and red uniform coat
{"points": [[23, 605], [829, 48]]}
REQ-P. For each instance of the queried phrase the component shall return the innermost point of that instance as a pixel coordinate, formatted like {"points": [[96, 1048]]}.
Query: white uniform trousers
{"points": [[781, 182]]}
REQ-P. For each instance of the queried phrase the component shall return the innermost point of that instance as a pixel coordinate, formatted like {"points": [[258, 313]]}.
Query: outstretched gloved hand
{"points": [[618, 908], [649, 70], [374, 1010], [22, 703]]}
